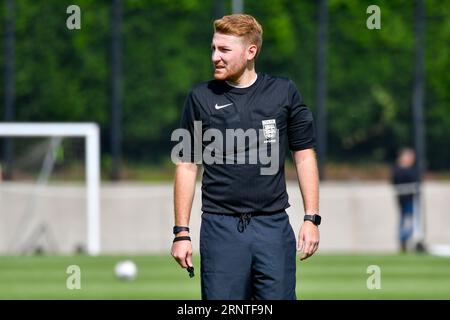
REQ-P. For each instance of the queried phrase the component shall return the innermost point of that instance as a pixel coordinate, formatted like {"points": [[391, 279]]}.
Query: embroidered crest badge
{"points": [[269, 130]]}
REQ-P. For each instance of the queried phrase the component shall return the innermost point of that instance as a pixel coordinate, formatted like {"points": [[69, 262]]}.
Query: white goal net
{"points": [[52, 202]]}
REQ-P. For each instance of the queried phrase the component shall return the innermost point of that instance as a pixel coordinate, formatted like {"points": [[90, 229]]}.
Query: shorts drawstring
{"points": [[244, 220]]}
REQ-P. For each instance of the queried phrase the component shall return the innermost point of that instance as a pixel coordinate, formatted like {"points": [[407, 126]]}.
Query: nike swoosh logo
{"points": [[223, 106]]}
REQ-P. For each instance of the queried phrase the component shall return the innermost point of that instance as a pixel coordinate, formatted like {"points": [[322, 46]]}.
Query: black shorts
{"points": [[247, 257]]}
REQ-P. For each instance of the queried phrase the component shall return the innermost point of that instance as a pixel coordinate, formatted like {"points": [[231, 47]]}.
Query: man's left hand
{"points": [[308, 239]]}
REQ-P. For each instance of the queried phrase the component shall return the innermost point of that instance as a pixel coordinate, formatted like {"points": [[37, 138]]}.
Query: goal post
{"points": [[90, 132]]}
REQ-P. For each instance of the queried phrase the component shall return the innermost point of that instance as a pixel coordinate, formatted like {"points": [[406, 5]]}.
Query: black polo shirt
{"points": [[269, 103]]}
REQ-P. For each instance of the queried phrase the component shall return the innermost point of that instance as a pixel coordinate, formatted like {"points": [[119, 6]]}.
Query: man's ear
{"points": [[251, 51]]}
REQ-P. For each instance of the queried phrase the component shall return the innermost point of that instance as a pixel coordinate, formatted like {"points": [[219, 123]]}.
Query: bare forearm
{"points": [[184, 190], [308, 177]]}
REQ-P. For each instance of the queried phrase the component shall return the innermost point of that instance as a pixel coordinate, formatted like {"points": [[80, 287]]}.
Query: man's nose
{"points": [[215, 56]]}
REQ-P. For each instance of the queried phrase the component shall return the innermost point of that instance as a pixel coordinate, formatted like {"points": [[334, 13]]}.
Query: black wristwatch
{"points": [[314, 218], [178, 229]]}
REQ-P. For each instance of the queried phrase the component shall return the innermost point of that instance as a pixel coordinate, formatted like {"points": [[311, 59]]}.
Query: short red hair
{"points": [[241, 25]]}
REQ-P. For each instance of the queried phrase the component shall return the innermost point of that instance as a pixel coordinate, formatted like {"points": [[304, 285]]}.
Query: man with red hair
{"points": [[247, 245]]}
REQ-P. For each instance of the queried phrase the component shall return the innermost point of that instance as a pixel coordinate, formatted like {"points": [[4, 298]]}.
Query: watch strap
{"points": [[182, 238], [178, 229], [314, 218]]}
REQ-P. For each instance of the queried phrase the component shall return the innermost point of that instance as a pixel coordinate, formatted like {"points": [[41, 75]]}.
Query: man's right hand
{"points": [[182, 251]]}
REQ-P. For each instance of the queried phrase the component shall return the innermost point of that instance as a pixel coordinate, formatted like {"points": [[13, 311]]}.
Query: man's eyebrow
{"points": [[221, 46]]}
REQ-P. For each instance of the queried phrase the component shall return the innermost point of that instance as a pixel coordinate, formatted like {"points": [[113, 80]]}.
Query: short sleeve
{"points": [[190, 122], [301, 131], [189, 114]]}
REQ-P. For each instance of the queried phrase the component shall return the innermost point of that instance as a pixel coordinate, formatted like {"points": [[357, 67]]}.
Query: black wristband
{"points": [[314, 218], [178, 229], [181, 238]]}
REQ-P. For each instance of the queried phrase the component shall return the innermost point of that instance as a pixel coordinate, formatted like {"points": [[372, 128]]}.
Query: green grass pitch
{"points": [[323, 276]]}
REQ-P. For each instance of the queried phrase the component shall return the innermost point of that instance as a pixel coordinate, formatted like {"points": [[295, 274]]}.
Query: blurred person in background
{"points": [[405, 177]]}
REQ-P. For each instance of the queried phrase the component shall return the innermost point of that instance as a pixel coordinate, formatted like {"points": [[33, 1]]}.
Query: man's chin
{"points": [[220, 76]]}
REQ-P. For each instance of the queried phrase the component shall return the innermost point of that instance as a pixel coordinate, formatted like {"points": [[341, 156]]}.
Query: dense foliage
{"points": [[63, 75]]}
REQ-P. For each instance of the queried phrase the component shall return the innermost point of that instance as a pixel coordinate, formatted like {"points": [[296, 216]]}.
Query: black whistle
{"points": [[191, 271]]}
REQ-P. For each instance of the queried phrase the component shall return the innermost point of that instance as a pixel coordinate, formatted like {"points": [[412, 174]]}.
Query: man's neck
{"points": [[245, 80]]}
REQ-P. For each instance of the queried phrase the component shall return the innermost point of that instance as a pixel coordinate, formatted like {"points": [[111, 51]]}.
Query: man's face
{"points": [[230, 55]]}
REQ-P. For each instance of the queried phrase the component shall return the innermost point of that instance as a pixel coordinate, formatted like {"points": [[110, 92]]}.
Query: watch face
{"points": [[317, 219]]}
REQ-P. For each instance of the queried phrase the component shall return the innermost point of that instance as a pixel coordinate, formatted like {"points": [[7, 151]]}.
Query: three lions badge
{"points": [[269, 130]]}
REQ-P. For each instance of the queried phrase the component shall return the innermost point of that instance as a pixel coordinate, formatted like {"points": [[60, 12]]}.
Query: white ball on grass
{"points": [[126, 270]]}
